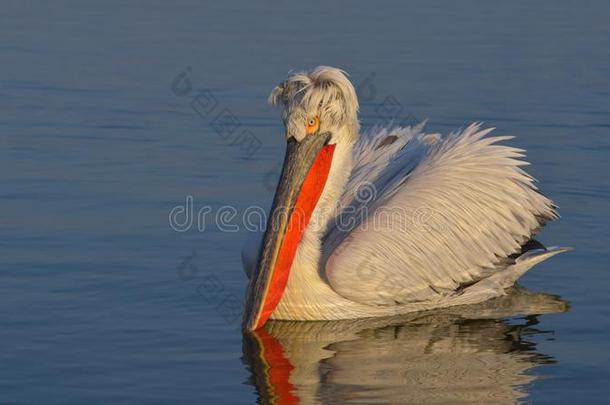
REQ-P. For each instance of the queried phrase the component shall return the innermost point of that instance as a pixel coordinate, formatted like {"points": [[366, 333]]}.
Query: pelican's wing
{"points": [[425, 217]]}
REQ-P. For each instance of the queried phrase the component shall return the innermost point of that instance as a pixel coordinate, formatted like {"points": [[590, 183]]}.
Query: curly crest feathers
{"points": [[325, 91]]}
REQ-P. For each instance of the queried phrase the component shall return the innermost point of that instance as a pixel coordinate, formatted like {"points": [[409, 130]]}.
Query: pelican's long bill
{"points": [[306, 167]]}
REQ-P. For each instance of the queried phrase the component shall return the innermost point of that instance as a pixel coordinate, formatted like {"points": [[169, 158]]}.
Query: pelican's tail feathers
{"points": [[496, 284], [539, 255], [528, 259]]}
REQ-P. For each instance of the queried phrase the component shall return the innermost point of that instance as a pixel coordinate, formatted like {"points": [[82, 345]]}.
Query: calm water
{"points": [[108, 121]]}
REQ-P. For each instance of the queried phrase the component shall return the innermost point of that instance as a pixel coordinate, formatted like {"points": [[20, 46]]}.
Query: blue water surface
{"points": [[113, 113]]}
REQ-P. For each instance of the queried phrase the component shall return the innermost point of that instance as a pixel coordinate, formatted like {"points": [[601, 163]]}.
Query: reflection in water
{"points": [[471, 354]]}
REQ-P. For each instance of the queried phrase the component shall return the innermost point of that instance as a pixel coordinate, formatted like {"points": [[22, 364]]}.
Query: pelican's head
{"points": [[320, 112], [322, 101]]}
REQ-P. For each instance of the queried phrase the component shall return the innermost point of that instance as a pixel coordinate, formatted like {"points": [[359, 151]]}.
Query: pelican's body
{"points": [[388, 221]]}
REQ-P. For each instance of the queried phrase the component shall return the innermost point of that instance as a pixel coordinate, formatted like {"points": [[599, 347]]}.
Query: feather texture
{"points": [[439, 215]]}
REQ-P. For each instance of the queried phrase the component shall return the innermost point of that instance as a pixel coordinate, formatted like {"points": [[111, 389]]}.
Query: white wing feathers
{"points": [[440, 214]]}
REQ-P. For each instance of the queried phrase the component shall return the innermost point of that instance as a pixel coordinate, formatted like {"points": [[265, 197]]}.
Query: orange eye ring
{"points": [[312, 125]]}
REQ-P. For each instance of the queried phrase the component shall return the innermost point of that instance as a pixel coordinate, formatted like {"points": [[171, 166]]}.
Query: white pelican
{"points": [[441, 221]]}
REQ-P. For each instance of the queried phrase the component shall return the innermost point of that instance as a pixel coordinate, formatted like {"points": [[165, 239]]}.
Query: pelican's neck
{"points": [[307, 291], [327, 206]]}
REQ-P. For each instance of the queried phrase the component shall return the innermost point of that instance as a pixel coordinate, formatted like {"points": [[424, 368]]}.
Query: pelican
{"points": [[387, 221]]}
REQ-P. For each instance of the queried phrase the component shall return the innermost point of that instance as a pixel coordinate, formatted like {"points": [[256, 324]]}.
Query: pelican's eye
{"points": [[313, 124]]}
